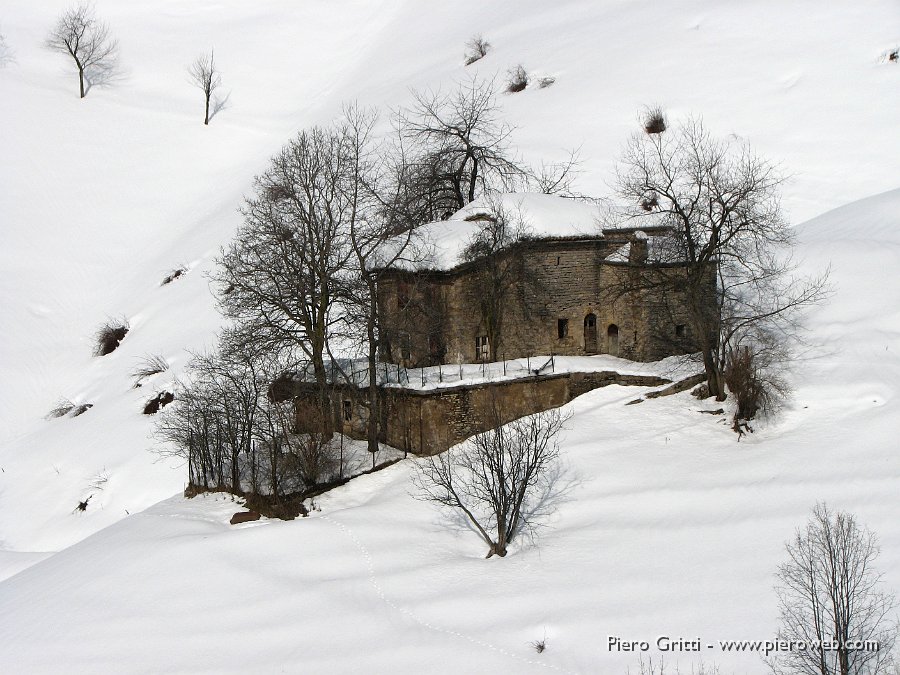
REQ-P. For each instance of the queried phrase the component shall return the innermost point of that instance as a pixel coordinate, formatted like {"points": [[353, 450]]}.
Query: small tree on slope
{"points": [[498, 479], [830, 599], [81, 35]]}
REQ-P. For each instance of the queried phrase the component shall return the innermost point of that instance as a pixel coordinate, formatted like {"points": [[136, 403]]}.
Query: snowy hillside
{"points": [[669, 527]]}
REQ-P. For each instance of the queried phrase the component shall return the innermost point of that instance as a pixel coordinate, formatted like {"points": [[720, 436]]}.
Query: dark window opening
{"points": [[680, 330], [562, 328], [557, 260], [404, 346], [402, 294], [482, 347], [348, 411]]}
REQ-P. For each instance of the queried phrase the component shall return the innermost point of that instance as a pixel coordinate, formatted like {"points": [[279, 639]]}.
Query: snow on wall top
{"points": [[541, 215]]}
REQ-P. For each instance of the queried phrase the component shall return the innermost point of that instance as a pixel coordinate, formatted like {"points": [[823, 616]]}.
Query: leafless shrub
{"points": [[173, 275], [313, 458], [161, 400], [654, 120], [650, 667], [82, 505], [148, 366], [516, 79], [497, 478], [60, 409], [100, 479], [81, 408], [546, 81], [83, 37], [476, 48], [539, 645], [831, 599], [109, 336], [753, 376]]}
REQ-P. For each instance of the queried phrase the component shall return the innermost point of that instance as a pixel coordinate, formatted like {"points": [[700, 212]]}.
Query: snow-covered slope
{"points": [[671, 526], [666, 526], [102, 197]]}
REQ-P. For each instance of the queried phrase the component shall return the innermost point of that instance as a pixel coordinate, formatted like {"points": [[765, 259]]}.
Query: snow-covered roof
{"points": [[542, 216]]}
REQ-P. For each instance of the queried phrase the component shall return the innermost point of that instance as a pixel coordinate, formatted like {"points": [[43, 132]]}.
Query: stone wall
{"points": [[427, 422]]}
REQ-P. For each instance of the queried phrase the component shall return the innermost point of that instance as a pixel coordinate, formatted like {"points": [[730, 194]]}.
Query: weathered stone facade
{"points": [[567, 296], [426, 422]]}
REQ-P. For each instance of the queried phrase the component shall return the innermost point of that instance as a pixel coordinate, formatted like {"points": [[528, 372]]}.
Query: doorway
{"points": [[590, 334], [612, 339]]}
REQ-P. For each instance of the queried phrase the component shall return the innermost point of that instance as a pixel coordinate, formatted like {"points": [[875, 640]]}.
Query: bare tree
{"points": [[460, 147], [495, 248], [81, 35], [476, 48], [381, 236], [280, 278], [205, 76], [498, 479], [729, 243], [831, 601]]}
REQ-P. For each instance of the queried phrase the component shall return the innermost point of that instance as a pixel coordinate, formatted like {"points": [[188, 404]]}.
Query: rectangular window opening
{"points": [[405, 347], [680, 330], [348, 411], [482, 347], [562, 328]]}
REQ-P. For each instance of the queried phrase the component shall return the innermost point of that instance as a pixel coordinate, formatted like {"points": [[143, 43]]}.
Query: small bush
{"points": [[544, 82], [149, 366], [173, 275], [81, 408], [539, 645], [109, 336], [82, 506], [655, 120], [516, 79], [894, 56], [60, 409], [161, 400], [757, 391], [476, 48]]}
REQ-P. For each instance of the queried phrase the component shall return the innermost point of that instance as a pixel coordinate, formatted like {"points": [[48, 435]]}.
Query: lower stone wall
{"points": [[428, 422]]}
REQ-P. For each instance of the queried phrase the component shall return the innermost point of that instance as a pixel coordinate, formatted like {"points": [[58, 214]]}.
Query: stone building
{"points": [[565, 287]]}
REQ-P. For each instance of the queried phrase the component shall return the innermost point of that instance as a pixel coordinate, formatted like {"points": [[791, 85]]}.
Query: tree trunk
{"points": [[81, 81], [374, 403], [206, 115]]}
